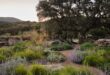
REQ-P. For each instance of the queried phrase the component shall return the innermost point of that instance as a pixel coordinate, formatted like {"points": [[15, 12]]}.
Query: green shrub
{"points": [[98, 33], [100, 52], [107, 56], [47, 51], [68, 71], [55, 57], [7, 68], [87, 46], [105, 48], [6, 51], [30, 54], [79, 56], [94, 60], [21, 70], [62, 46], [19, 46], [74, 71], [105, 68], [2, 58], [38, 70], [105, 52], [67, 46]]}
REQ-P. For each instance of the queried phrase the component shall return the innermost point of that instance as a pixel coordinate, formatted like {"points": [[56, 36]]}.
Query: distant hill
{"points": [[15, 28], [9, 19]]}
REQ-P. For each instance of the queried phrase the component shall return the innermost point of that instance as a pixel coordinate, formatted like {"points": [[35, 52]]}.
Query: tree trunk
{"points": [[81, 37]]}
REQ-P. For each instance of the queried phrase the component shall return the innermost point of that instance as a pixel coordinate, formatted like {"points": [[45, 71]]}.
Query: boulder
{"points": [[103, 42]]}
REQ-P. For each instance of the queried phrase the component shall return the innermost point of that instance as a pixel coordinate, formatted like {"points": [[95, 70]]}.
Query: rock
{"points": [[55, 42], [103, 42]]}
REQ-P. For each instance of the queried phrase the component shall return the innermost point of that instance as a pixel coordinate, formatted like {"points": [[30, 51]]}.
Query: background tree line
{"points": [[15, 28]]}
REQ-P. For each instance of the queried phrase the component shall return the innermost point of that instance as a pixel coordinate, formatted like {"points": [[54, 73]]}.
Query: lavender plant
{"points": [[106, 68], [7, 68]]}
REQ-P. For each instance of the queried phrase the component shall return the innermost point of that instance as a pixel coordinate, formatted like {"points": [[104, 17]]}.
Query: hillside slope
{"points": [[9, 19]]}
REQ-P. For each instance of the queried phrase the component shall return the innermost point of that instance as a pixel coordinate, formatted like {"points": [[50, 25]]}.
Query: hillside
{"points": [[16, 27], [9, 19]]}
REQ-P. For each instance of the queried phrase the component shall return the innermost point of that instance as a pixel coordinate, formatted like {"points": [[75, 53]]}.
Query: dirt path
{"points": [[69, 56]]}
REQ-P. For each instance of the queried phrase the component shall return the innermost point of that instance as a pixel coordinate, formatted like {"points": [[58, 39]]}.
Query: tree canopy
{"points": [[74, 18]]}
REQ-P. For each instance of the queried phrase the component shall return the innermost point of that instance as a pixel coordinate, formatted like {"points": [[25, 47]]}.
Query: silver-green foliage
{"points": [[7, 68]]}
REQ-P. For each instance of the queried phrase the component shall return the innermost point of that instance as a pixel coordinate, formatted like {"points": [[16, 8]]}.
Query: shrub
{"points": [[8, 67], [19, 46], [74, 71], [79, 56], [94, 60], [106, 68], [67, 46], [21, 70], [87, 46], [100, 52], [38, 70], [30, 54], [38, 47], [62, 46], [6, 51], [105, 48], [68, 71], [47, 51], [107, 56], [55, 57], [2, 58], [98, 33]]}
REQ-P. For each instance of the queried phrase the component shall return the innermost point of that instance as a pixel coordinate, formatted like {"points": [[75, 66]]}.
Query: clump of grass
{"points": [[61, 46], [55, 57], [87, 46], [92, 60], [2, 58], [39, 70], [6, 51], [69, 70], [29, 55], [21, 70]]}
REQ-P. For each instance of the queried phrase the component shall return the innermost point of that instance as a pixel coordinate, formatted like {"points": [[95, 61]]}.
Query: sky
{"points": [[21, 9]]}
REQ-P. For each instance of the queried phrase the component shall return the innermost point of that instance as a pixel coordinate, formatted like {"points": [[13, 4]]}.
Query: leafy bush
{"points": [[68, 71], [22, 45], [62, 46], [2, 58], [106, 68], [55, 57], [38, 70], [107, 56], [99, 33], [66, 46], [105, 48], [19, 46], [100, 52], [21, 70], [30, 54], [79, 56], [8, 67], [6, 51], [94, 60], [47, 51], [87, 46], [105, 52], [74, 71]]}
